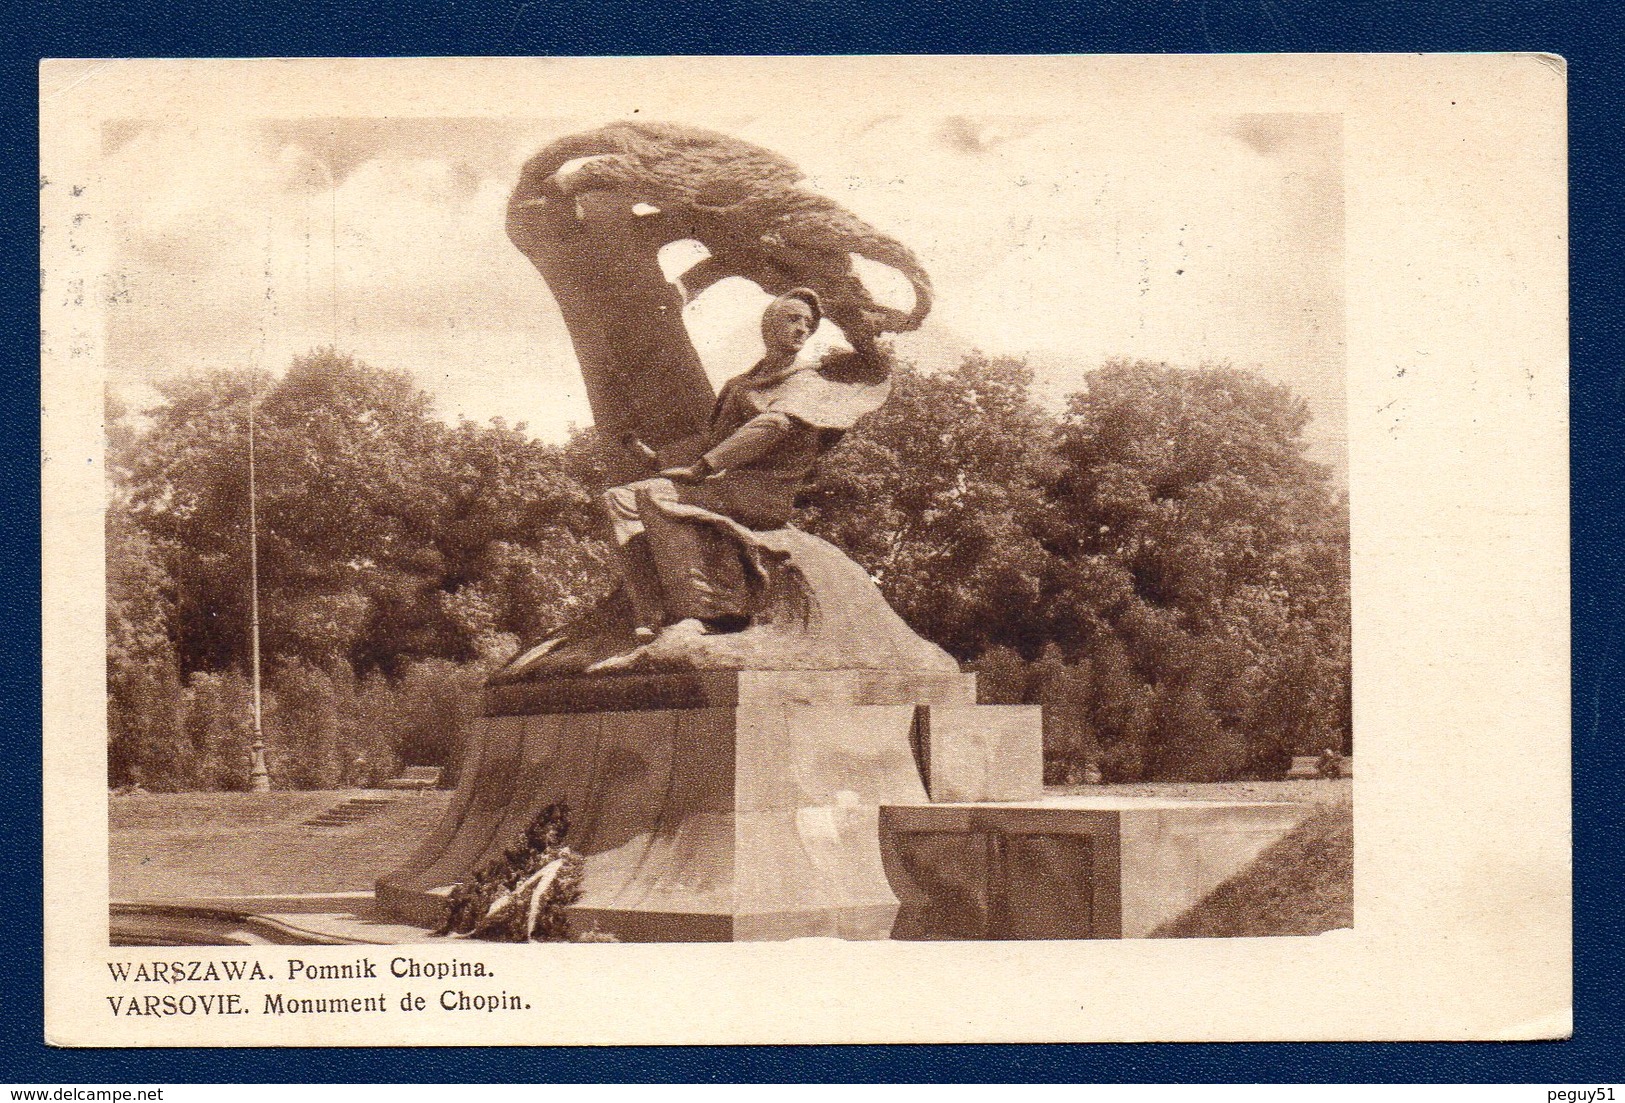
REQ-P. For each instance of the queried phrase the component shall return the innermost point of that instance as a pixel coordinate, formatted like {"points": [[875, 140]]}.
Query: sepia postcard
{"points": [[815, 550]]}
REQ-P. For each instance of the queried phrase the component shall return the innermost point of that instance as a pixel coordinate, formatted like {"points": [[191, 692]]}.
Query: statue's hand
{"points": [[695, 473]]}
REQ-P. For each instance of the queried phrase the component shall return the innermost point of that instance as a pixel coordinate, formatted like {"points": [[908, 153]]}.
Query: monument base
{"points": [[718, 806]]}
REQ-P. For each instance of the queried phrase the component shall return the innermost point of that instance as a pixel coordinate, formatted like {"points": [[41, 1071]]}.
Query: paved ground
{"points": [[1308, 791]]}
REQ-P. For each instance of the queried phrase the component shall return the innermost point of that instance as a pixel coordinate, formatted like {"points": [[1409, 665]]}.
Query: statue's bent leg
{"points": [[700, 569], [641, 578], [639, 572]]}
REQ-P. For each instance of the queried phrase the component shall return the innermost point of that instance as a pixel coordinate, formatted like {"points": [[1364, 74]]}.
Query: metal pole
{"points": [[259, 778]]}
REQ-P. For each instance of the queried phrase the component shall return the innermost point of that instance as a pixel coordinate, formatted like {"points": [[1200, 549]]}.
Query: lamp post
{"points": [[259, 778]]}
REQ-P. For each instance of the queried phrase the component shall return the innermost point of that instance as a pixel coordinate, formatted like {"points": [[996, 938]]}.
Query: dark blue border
{"points": [[1582, 33]]}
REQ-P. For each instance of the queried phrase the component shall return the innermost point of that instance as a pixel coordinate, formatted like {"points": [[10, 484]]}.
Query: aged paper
{"points": [[1433, 326]]}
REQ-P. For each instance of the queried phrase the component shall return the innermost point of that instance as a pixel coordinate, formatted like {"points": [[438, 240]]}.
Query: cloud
{"points": [[477, 146]]}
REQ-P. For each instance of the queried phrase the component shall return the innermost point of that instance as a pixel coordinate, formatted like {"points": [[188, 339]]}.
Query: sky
{"points": [[1066, 240]]}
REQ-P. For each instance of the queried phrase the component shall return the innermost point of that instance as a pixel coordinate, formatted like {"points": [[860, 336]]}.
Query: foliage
{"points": [[425, 711], [1191, 614], [385, 536], [934, 495], [1199, 537], [523, 894], [144, 729], [218, 711], [324, 728]]}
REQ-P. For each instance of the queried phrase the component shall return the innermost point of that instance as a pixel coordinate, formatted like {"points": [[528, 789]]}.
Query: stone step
{"points": [[351, 811]]}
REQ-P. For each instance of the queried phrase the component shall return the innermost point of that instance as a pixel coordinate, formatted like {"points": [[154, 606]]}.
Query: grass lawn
{"points": [[1302, 885], [183, 845]]}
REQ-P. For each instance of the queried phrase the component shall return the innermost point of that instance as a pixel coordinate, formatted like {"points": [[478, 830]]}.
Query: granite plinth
{"points": [[728, 689], [981, 752], [736, 805], [1066, 867]]}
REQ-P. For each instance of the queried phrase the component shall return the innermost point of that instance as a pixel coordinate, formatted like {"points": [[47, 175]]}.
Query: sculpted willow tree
{"points": [[712, 577]]}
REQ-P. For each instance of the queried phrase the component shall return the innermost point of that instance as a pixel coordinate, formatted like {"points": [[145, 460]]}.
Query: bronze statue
{"points": [[767, 429], [712, 576]]}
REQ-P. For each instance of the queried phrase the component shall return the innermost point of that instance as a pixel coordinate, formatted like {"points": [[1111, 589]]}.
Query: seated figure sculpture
{"points": [[768, 428], [728, 720]]}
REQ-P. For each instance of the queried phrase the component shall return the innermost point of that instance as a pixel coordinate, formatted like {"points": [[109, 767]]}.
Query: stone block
{"points": [[1172, 857], [811, 872], [1066, 867], [982, 752], [845, 756]]}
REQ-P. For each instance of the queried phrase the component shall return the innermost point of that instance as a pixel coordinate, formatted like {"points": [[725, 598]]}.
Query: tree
{"points": [[389, 542], [1064, 691], [385, 536], [1192, 529], [519, 539], [935, 495], [1162, 568], [144, 731]]}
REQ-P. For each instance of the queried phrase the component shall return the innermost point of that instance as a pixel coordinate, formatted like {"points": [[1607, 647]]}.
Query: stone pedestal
{"points": [[981, 752], [718, 806]]}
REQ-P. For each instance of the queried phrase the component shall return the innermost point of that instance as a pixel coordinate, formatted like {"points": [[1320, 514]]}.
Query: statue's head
{"points": [[789, 320]]}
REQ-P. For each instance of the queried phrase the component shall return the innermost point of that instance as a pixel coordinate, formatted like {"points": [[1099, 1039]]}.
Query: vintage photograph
{"points": [[650, 532], [635, 518]]}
